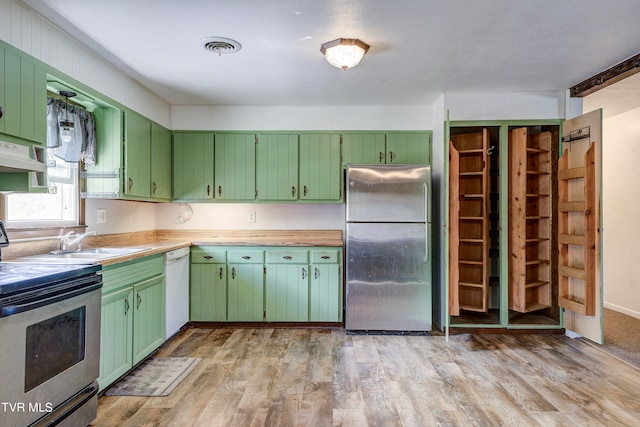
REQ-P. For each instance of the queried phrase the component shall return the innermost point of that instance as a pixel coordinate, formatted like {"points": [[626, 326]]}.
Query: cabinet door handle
{"points": [[304, 273], [130, 184], [154, 187], [233, 273], [286, 257], [305, 190], [325, 257], [316, 273], [208, 190], [390, 156], [246, 257], [220, 190], [381, 156], [126, 306], [139, 299], [207, 257], [293, 191], [221, 270]]}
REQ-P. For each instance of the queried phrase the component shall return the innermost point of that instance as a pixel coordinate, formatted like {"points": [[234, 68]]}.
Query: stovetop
{"points": [[18, 277]]}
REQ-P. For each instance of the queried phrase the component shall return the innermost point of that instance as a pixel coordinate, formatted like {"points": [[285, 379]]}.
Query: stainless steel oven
{"points": [[49, 344]]}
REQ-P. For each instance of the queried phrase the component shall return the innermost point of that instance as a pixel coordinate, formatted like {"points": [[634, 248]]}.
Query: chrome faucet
{"points": [[77, 239]]}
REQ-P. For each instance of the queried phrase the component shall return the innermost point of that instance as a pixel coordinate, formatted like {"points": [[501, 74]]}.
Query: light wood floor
{"points": [[324, 377]]}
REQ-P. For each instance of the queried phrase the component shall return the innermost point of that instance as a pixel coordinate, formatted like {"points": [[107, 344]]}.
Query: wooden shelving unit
{"points": [[529, 220], [469, 223], [577, 231]]}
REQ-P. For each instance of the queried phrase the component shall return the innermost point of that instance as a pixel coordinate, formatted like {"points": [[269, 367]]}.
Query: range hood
{"points": [[16, 158]]}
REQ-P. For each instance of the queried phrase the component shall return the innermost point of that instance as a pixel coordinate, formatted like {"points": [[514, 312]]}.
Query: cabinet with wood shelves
{"points": [[530, 188], [469, 222], [544, 250], [578, 238]]}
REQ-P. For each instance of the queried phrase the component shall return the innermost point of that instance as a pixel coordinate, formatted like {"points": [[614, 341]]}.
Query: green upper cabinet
{"points": [[23, 96], [277, 167], [160, 162], [235, 166], [102, 180], [320, 172], [363, 148], [408, 148], [137, 146], [386, 148], [193, 164], [147, 159]]}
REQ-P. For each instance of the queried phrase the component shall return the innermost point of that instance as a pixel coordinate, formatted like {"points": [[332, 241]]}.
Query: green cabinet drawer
{"points": [[326, 257], [208, 255], [287, 257], [118, 275], [245, 257]]}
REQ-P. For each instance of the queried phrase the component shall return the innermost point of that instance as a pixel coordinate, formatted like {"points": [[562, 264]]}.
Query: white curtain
{"points": [[83, 134]]}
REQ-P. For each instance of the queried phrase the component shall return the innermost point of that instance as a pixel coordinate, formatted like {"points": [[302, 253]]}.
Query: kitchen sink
{"points": [[86, 256], [105, 252]]}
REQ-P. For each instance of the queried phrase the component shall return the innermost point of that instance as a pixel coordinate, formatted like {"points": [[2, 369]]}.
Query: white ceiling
{"points": [[419, 48]]}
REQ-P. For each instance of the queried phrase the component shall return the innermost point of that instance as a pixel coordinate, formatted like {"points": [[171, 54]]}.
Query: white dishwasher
{"points": [[176, 271]]}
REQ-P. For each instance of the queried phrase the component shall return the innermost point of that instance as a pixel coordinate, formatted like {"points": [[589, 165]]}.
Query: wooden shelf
{"points": [[529, 220], [577, 234], [468, 222]]}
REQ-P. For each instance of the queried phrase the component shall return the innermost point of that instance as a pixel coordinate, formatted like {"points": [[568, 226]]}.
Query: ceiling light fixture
{"points": [[66, 125], [344, 53]]}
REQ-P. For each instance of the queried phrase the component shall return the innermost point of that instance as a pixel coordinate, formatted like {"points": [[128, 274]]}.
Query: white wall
{"points": [[282, 117], [505, 106], [122, 216], [234, 216], [621, 211]]}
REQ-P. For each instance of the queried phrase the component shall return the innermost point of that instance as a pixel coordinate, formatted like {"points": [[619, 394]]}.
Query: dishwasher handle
{"points": [[176, 255]]}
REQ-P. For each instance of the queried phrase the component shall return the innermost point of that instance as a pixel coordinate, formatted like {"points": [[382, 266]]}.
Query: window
{"points": [[59, 207]]}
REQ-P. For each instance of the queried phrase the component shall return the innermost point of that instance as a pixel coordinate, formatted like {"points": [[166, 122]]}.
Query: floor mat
{"points": [[154, 377]]}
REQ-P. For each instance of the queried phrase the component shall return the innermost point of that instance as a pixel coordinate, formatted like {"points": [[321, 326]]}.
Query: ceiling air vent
{"points": [[221, 45]]}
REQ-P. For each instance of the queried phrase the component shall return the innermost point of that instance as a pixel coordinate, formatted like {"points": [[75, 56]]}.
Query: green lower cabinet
{"points": [[208, 293], [324, 293], [148, 317], [287, 293], [133, 316], [265, 284], [245, 285], [116, 336]]}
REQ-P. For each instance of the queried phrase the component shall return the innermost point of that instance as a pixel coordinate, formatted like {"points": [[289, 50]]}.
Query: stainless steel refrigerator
{"points": [[388, 275]]}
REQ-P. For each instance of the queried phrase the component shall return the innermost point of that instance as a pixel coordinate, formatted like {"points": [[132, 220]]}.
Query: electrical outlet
{"points": [[251, 217], [101, 216]]}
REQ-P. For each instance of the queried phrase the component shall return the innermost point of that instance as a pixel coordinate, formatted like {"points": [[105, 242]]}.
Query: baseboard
{"points": [[628, 312]]}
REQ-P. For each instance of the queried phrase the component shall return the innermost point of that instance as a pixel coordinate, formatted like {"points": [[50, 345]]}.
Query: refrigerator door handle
{"points": [[426, 243]]}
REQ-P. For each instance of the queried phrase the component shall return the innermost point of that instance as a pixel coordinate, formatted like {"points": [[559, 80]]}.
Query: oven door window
{"points": [[54, 345]]}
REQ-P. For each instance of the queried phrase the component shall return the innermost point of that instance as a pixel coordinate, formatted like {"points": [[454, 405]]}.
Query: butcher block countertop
{"points": [[162, 241]]}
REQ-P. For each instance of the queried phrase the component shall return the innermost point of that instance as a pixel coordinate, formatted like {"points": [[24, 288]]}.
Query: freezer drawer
{"points": [[388, 280]]}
